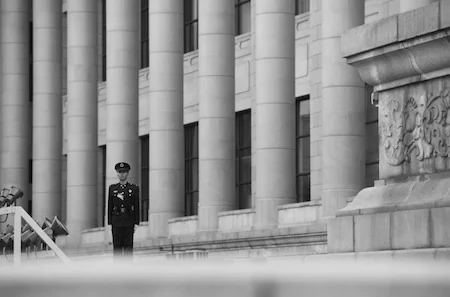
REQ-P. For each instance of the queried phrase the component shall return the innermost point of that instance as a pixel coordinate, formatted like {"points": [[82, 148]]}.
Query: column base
{"points": [[159, 223], [208, 217]]}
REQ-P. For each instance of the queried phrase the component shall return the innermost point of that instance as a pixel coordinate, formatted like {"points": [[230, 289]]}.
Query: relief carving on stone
{"points": [[416, 128]]}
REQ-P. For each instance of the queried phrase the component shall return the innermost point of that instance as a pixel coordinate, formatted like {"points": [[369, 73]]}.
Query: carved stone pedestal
{"points": [[406, 58]]}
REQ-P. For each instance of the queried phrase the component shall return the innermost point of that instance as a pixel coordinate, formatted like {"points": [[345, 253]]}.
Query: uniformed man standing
{"points": [[123, 211]]}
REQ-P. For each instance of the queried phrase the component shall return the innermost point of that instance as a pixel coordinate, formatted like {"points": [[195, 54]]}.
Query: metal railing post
{"points": [[17, 238]]}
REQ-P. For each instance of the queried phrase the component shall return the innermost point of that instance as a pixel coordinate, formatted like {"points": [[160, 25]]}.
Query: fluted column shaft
{"points": [[81, 117], [406, 5], [343, 109], [166, 114], [15, 107], [122, 38], [216, 111], [275, 109], [47, 108]]}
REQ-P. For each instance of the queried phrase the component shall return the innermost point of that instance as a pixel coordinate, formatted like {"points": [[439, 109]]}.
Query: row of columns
{"points": [[343, 110], [82, 115], [121, 107], [275, 147], [274, 55]]}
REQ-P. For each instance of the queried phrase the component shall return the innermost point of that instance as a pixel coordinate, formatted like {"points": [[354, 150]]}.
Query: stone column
{"points": [[406, 5], [47, 108], [315, 95], [81, 117], [343, 109], [122, 142], [100, 13], [64, 55], [253, 102], [275, 109], [166, 114], [15, 106], [216, 111]]}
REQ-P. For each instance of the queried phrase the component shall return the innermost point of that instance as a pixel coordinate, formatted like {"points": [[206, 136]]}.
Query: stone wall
{"points": [[405, 58]]}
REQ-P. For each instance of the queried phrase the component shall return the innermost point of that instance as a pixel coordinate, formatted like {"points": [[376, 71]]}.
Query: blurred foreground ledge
{"points": [[209, 278]]}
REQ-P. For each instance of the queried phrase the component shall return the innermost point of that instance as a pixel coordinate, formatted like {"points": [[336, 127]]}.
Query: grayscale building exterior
{"points": [[251, 127]]}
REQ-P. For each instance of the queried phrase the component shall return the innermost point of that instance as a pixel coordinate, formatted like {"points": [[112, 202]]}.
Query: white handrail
{"points": [[20, 213]]}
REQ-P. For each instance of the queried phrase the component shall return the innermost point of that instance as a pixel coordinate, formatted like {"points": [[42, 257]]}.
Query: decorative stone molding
{"points": [[421, 125], [242, 45], [190, 62], [143, 76], [414, 129], [301, 23]]}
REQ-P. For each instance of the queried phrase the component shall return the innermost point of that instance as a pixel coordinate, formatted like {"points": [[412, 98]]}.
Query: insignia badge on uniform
{"points": [[120, 196]]}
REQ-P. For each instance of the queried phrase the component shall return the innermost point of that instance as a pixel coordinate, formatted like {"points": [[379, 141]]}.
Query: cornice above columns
{"points": [[402, 49]]}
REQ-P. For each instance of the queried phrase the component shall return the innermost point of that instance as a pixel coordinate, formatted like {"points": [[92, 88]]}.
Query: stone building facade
{"points": [[247, 124]]}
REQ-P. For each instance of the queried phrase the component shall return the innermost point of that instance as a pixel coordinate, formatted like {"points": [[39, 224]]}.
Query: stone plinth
{"points": [[183, 226], [236, 220], [295, 214], [405, 57]]}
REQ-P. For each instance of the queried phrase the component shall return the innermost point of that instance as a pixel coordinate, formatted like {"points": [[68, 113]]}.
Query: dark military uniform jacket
{"points": [[123, 205]]}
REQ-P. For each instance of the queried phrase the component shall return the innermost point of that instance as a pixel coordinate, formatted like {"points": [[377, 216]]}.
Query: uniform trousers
{"points": [[122, 240]]}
